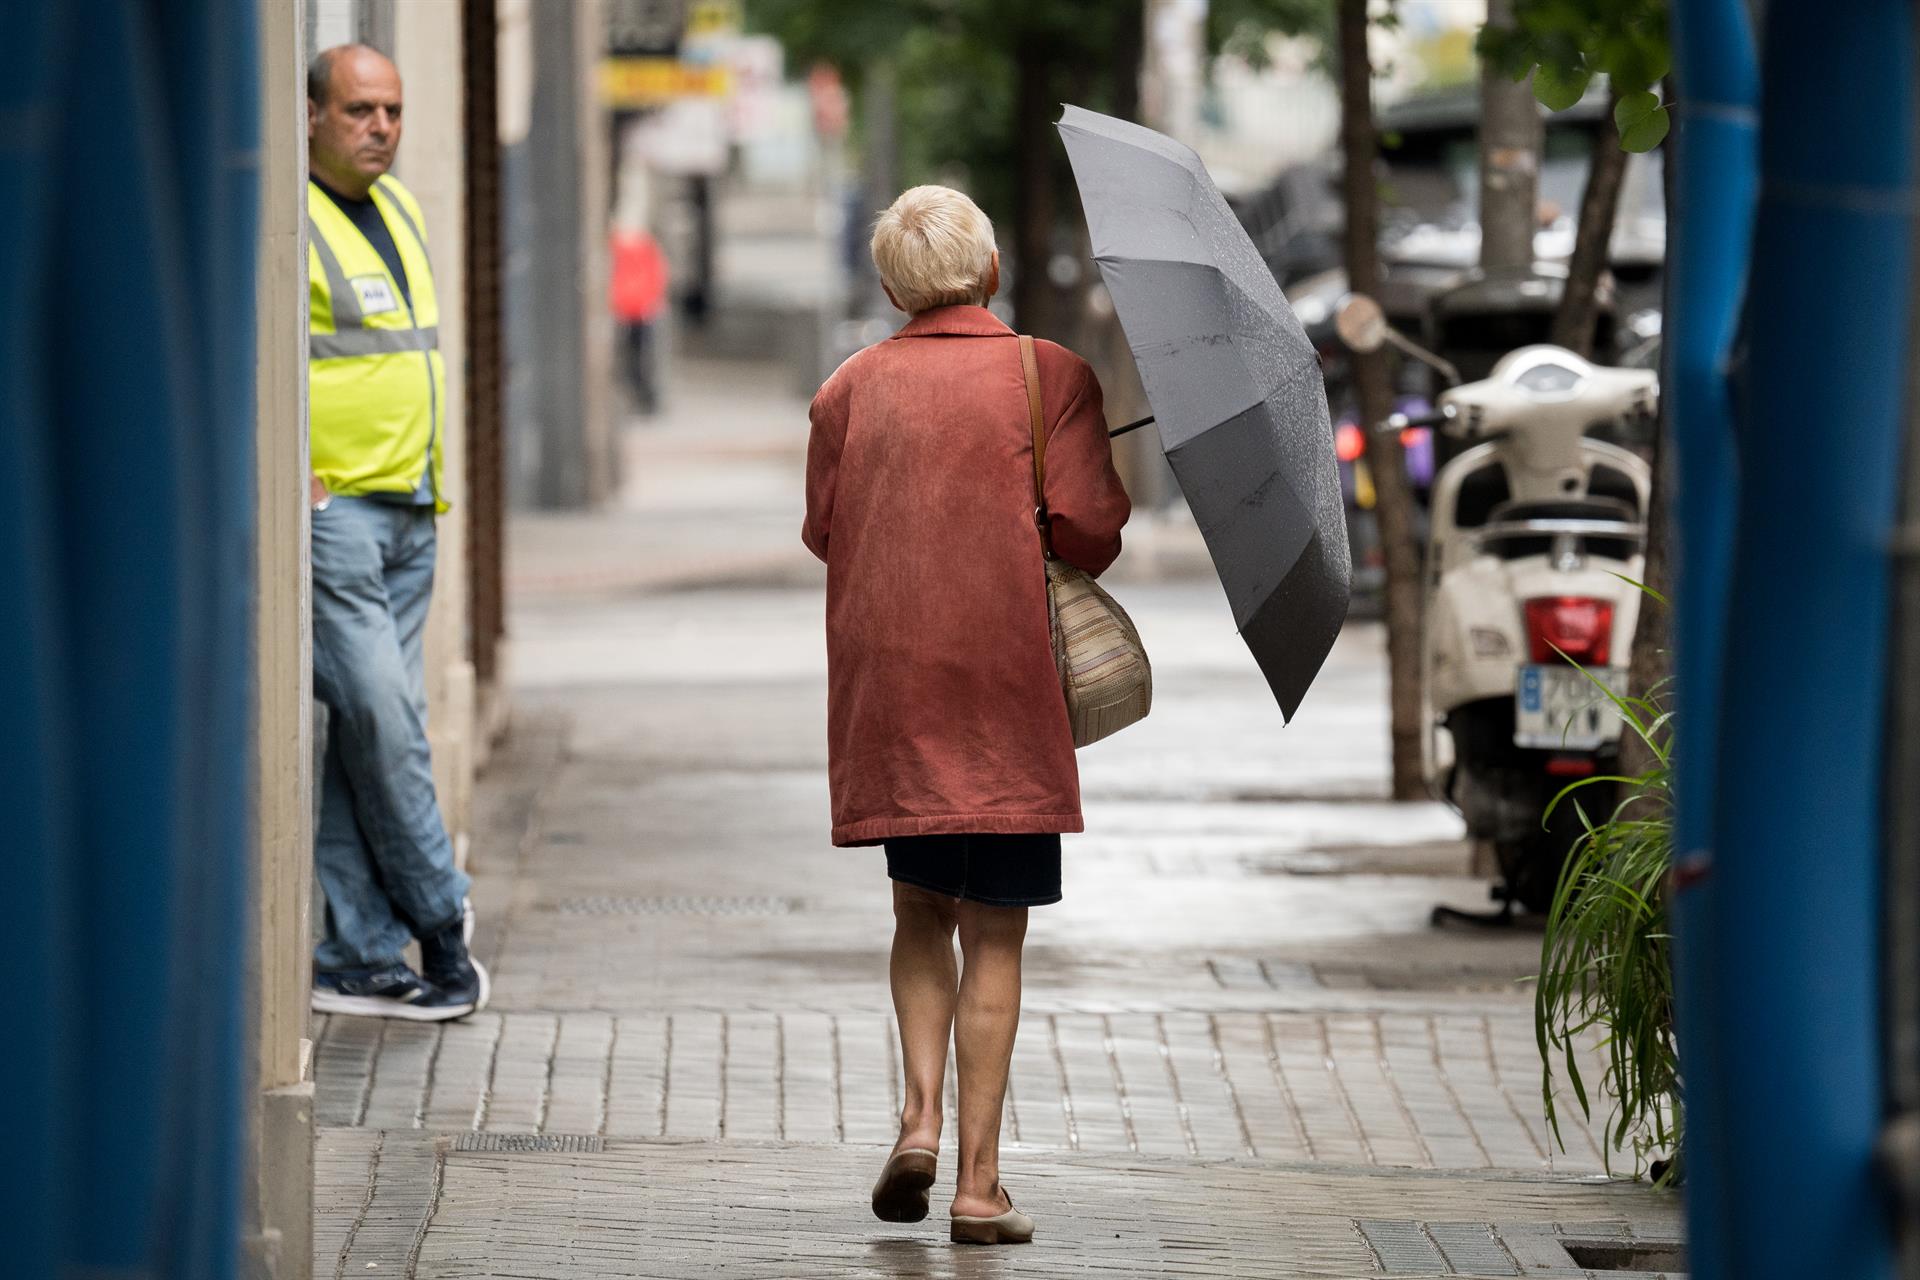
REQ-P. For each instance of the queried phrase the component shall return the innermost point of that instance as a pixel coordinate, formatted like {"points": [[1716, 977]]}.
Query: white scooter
{"points": [[1537, 535]]}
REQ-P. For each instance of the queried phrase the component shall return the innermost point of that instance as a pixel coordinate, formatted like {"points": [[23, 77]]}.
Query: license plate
{"points": [[1560, 708]]}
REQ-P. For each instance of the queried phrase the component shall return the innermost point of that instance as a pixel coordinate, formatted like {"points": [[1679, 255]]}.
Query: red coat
{"points": [[637, 279], [944, 711]]}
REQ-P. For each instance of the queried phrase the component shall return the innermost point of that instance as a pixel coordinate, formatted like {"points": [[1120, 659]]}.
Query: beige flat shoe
{"points": [[901, 1193], [1011, 1227]]}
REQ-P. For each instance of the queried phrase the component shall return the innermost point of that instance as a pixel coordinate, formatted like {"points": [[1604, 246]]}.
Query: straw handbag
{"points": [[1103, 666]]}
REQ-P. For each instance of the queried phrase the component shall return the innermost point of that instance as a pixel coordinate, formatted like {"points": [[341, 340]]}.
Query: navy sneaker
{"points": [[449, 964], [391, 991]]}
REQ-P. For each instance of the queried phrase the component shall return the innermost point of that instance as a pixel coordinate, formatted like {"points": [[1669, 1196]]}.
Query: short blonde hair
{"points": [[934, 248]]}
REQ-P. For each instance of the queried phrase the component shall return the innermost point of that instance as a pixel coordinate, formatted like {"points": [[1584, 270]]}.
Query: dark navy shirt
{"points": [[365, 216]]}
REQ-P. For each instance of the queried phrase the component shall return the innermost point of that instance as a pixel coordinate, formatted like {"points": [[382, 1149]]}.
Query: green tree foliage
{"points": [[1564, 44], [956, 63], [1241, 27], [977, 85]]}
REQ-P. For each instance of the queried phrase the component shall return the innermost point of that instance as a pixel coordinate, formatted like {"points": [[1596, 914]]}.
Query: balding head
{"points": [[353, 117]]}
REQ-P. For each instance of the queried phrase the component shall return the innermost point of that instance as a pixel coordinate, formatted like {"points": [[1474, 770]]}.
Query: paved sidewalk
{"points": [[1244, 1051]]}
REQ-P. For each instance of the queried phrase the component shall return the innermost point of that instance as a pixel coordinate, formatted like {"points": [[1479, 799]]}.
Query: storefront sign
{"points": [[648, 82]]}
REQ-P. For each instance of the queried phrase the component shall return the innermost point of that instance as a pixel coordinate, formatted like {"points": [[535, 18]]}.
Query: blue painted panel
{"points": [[126, 434], [1797, 811], [39, 996], [1715, 176]]}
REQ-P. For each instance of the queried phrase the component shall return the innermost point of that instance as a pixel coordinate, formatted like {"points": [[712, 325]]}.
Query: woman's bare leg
{"points": [[985, 1024], [924, 979]]}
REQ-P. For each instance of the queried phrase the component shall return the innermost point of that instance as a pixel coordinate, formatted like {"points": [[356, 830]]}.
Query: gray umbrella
{"points": [[1235, 387]]}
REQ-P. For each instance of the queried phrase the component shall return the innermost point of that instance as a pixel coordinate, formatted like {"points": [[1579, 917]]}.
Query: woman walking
{"points": [[948, 737]]}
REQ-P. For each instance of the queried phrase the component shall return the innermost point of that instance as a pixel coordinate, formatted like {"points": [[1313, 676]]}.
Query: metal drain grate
{"points": [[1635, 1255], [1470, 1249], [530, 1142], [602, 904], [1408, 1248], [1403, 1248]]}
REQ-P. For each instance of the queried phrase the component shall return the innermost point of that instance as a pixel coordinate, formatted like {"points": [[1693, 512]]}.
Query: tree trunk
{"points": [[1510, 136], [1599, 203], [1652, 658], [1143, 468], [1127, 60], [1033, 193], [880, 173], [1393, 499]]}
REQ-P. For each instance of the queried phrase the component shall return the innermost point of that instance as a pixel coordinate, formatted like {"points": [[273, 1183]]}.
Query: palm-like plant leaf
{"points": [[1605, 960]]}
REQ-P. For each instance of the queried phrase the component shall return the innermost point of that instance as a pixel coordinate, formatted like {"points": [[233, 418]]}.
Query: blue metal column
{"points": [[1793, 972], [126, 473], [38, 997], [1715, 164]]}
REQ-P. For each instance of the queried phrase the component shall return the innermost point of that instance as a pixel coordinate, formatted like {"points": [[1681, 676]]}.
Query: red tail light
{"points": [[1349, 442], [1579, 626]]}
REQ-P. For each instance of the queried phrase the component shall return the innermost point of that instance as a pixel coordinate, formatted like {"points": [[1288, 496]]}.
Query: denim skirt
{"points": [[994, 870]]}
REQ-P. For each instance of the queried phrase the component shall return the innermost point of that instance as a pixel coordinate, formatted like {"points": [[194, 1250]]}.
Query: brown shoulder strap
{"points": [[1030, 370]]}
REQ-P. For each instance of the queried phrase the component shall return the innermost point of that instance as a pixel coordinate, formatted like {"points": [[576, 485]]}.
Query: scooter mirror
{"points": [[1361, 324]]}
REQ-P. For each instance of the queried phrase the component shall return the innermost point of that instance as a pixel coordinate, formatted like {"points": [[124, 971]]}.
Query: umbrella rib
{"points": [[1288, 379]]}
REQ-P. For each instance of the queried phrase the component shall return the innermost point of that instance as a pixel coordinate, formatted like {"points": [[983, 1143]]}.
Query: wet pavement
{"points": [[1244, 1051]]}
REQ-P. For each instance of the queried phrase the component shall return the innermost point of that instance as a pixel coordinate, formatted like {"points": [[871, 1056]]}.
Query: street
{"points": [[1243, 1051]]}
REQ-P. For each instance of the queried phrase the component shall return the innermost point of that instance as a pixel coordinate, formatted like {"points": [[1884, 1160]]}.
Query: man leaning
{"points": [[377, 394]]}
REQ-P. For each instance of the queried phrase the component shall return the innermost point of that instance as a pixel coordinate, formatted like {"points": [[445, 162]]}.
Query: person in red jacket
{"points": [[947, 732], [637, 291]]}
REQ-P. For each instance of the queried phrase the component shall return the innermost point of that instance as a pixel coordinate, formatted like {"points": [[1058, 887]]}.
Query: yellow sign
{"points": [[648, 82], [713, 17]]}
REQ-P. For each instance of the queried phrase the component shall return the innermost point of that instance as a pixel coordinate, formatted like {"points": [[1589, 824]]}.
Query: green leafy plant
{"points": [[1566, 43], [1606, 961]]}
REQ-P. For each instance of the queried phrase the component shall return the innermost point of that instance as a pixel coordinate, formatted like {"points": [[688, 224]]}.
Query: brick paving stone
{"points": [[577, 1091], [343, 1068], [1497, 1117], [791, 1210], [637, 1076], [1310, 1077], [1385, 1088], [457, 1093], [1536, 1248], [397, 1085], [1206, 1090], [869, 1075], [1088, 1083], [522, 1073], [1272, 1124], [1516, 1062], [1413, 1062], [1041, 1115], [809, 1097], [696, 1075], [753, 1063], [1353, 1045], [1156, 1123], [343, 1171]]}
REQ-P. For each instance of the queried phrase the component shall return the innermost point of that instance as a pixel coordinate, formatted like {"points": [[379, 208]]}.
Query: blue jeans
{"points": [[381, 848]]}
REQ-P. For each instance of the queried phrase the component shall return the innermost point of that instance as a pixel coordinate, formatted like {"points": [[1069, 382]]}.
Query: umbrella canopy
{"points": [[1234, 384]]}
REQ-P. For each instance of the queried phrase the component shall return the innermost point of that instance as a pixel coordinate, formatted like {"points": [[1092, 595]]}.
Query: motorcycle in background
{"points": [[1536, 540]]}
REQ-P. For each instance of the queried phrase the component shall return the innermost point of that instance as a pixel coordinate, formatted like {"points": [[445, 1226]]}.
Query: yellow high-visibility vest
{"points": [[377, 388]]}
